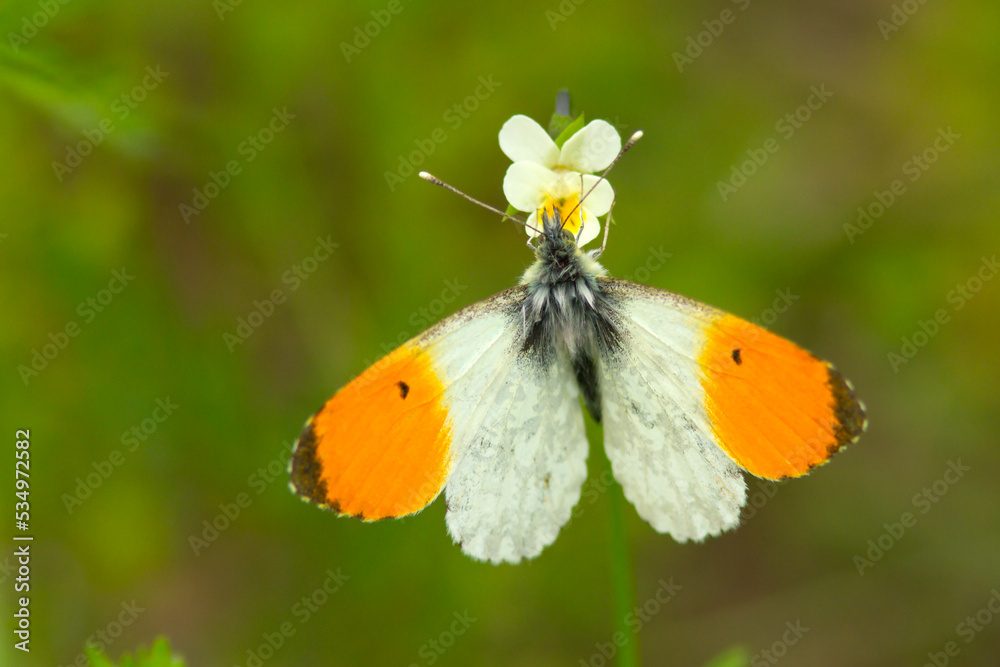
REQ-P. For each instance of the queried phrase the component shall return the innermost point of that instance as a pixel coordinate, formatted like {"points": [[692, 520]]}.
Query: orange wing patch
{"points": [[777, 410], [380, 447]]}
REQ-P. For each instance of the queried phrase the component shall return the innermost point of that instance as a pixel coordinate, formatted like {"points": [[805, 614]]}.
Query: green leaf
{"points": [[570, 130], [158, 655], [96, 658], [736, 656]]}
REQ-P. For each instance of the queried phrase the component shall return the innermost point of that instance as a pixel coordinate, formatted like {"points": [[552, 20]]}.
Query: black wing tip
{"points": [[305, 470], [851, 420], [306, 479], [847, 409]]}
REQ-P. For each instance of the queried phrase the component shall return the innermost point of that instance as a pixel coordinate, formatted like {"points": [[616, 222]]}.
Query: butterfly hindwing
{"points": [[517, 485], [656, 434]]}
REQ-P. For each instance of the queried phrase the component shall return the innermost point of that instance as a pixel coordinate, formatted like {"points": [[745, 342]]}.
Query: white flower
{"points": [[545, 178]]}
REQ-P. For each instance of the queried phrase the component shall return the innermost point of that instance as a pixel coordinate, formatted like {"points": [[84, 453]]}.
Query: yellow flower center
{"points": [[567, 208]]}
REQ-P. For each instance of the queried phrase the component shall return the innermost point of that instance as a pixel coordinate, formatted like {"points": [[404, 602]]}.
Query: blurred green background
{"points": [[143, 104]]}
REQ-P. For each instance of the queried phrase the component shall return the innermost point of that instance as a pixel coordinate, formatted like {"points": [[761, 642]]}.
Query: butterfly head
{"points": [[557, 237], [558, 258]]}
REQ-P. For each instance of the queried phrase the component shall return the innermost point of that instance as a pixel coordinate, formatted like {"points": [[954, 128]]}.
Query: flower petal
{"points": [[592, 148], [533, 225], [522, 139], [589, 229], [525, 184], [600, 200]]}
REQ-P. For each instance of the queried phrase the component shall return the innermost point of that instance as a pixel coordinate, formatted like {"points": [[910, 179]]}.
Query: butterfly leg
{"points": [[607, 229]]}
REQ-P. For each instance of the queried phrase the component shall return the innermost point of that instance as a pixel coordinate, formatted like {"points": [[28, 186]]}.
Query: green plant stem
{"points": [[622, 580]]}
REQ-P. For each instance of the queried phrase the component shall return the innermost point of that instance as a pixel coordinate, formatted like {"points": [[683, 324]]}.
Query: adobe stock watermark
{"points": [[779, 649], [303, 610], [293, 278], [246, 152], [419, 319], [275, 470], [7, 568], [432, 650], [957, 298], [121, 108], [967, 630], [898, 17], [130, 439], [766, 489], [364, 34], [88, 309], [562, 12], [453, 117], [697, 43], [223, 7], [636, 620], [103, 638], [786, 127], [912, 169], [655, 260], [783, 300], [923, 501], [30, 25]]}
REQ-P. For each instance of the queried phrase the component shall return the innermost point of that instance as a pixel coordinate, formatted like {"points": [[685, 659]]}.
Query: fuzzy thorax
{"points": [[563, 293]]}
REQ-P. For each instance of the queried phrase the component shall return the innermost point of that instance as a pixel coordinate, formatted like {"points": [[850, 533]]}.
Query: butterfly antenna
{"points": [[431, 178], [636, 136]]}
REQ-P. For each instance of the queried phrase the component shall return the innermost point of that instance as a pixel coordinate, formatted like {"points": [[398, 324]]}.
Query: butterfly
{"points": [[487, 406]]}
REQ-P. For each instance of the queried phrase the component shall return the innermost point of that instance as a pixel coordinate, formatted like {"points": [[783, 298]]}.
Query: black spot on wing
{"points": [[404, 389], [305, 469], [848, 410], [736, 357]]}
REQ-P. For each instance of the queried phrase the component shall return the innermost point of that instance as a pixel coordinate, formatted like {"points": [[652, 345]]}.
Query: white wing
{"points": [[520, 478], [656, 431], [517, 433]]}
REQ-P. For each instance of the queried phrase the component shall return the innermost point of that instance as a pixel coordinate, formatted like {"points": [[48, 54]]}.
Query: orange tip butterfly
{"points": [[485, 406]]}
